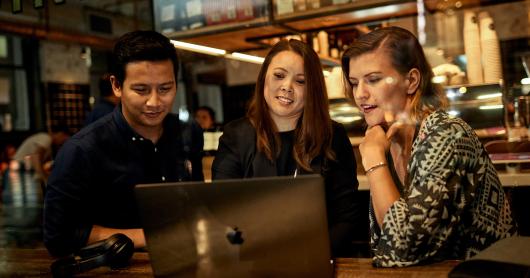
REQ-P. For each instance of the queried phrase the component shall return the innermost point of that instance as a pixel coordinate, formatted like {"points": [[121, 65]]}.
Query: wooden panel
{"points": [[236, 40]]}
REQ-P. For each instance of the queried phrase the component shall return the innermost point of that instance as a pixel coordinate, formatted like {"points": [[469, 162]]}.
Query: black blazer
{"points": [[237, 158]]}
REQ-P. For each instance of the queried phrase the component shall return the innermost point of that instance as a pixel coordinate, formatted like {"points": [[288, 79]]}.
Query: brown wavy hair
{"points": [[313, 133], [405, 53]]}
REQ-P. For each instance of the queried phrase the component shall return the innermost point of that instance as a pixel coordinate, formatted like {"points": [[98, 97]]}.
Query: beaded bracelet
{"points": [[378, 165]]}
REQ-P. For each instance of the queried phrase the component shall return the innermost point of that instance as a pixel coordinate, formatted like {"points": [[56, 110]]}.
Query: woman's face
{"points": [[285, 87], [379, 90]]}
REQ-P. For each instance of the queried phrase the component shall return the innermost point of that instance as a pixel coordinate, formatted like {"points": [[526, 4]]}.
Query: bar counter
{"points": [[36, 263]]}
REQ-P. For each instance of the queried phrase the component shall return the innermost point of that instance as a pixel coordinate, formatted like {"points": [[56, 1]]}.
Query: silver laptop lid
{"points": [[261, 227]]}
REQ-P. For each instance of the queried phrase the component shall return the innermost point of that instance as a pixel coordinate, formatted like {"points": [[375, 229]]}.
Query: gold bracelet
{"points": [[371, 169]]}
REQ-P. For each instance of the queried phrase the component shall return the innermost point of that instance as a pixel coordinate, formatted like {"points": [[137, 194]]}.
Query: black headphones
{"points": [[115, 251]]}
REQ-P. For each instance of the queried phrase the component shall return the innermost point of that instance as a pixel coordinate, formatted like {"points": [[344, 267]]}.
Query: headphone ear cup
{"points": [[115, 252], [120, 250]]}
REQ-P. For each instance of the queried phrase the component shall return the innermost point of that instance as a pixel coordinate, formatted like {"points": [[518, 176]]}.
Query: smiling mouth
{"points": [[367, 108], [152, 114], [284, 100]]}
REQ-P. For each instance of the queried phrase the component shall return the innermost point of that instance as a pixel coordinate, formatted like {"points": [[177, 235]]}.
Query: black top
{"points": [[237, 158], [96, 170], [285, 164]]}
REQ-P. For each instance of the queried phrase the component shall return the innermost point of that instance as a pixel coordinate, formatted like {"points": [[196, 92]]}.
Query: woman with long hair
{"points": [[288, 132]]}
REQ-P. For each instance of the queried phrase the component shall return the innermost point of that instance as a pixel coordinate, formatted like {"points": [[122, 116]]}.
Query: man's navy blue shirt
{"points": [[96, 170]]}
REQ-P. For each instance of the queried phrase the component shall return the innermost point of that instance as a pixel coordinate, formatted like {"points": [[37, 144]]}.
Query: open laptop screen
{"points": [[237, 228]]}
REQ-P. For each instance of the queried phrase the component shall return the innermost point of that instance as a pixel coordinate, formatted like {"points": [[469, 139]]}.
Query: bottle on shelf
{"points": [[323, 43], [316, 46], [284, 7], [313, 4], [230, 10], [300, 5], [194, 12], [170, 16], [244, 10], [333, 48], [212, 11], [8, 123]]}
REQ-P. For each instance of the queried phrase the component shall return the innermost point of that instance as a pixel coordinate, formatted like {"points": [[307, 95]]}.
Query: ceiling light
{"points": [[490, 107], [495, 95], [198, 48], [245, 58]]}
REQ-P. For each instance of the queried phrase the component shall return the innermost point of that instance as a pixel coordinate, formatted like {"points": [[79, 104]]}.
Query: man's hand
{"points": [[99, 233]]}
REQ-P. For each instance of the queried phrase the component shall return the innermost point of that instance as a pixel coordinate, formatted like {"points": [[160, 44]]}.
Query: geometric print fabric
{"points": [[452, 204]]}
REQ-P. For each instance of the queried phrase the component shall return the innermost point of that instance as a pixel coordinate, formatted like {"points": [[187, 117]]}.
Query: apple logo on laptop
{"points": [[234, 236]]}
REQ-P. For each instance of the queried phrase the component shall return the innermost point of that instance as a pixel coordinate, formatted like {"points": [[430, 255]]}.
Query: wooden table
{"points": [[362, 267], [36, 263]]}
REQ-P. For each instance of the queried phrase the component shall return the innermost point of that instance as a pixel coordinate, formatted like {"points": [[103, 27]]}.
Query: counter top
{"points": [[507, 180]]}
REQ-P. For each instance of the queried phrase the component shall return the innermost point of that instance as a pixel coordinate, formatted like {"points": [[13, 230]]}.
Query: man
{"points": [[106, 103], [37, 149], [90, 192]]}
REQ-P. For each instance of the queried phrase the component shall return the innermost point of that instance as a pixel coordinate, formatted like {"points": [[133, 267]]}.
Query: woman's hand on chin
{"points": [[374, 146]]}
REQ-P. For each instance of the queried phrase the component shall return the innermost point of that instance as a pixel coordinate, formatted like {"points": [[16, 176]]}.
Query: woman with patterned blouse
{"points": [[434, 191]]}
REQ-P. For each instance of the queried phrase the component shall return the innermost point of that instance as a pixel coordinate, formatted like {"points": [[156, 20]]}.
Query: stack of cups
{"points": [[472, 46], [491, 54]]}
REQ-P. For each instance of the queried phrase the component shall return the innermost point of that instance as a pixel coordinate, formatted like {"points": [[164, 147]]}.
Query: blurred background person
{"points": [[36, 151], [205, 116], [107, 101], [6, 156]]}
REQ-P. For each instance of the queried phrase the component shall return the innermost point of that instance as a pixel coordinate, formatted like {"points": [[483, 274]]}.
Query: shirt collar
{"points": [[130, 134]]}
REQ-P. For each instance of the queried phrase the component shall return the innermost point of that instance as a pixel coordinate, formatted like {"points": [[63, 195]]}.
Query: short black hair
{"points": [[209, 110], [105, 88], [142, 46]]}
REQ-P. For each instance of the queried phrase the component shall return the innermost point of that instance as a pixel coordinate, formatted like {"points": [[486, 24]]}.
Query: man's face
{"points": [[147, 93]]}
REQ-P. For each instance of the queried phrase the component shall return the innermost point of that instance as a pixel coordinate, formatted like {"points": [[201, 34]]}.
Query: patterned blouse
{"points": [[452, 205]]}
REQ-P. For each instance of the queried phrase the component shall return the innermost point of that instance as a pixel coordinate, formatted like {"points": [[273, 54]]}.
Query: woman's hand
{"points": [[374, 146]]}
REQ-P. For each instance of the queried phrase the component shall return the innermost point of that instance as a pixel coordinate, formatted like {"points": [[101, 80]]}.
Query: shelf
{"points": [[349, 16], [244, 36], [237, 40], [254, 34], [216, 29], [362, 7]]}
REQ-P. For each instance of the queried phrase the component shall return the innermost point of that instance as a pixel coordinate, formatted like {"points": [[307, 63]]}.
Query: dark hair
{"points": [[105, 87], [142, 46], [405, 53], [313, 133], [209, 110]]}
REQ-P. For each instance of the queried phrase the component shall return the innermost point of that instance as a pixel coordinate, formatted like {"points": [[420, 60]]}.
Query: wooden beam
{"points": [[40, 32]]}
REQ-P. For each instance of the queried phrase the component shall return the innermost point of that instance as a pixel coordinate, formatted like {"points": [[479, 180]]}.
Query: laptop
{"points": [[260, 227]]}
